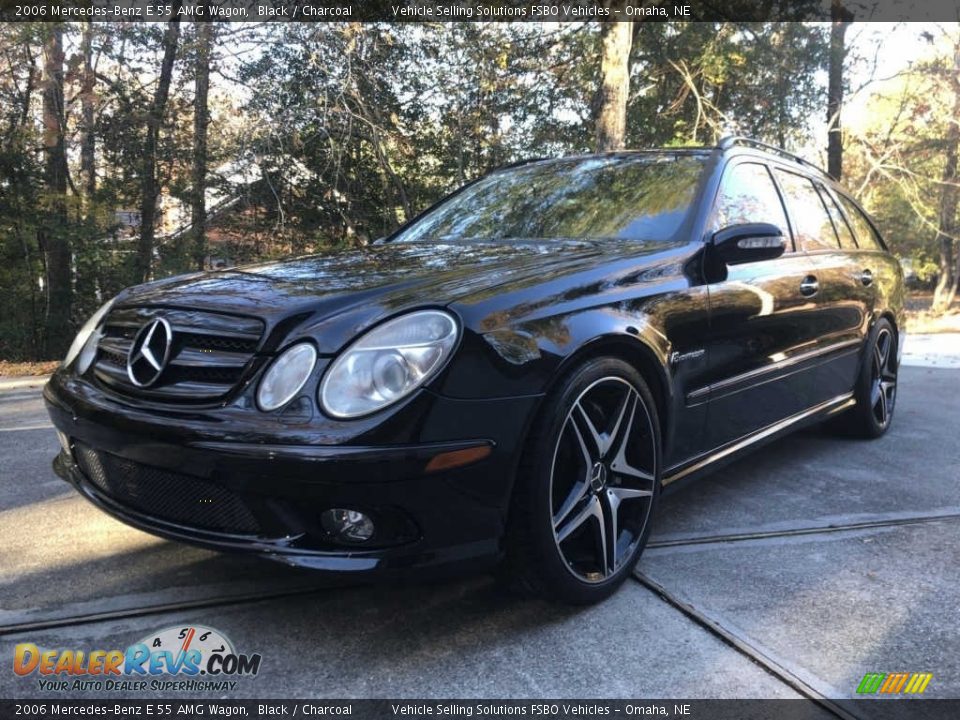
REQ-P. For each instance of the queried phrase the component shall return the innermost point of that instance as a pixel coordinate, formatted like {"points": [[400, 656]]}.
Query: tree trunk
{"points": [[201, 119], [88, 139], [52, 235], [149, 190], [946, 288], [28, 91], [955, 286], [840, 19], [611, 116]]}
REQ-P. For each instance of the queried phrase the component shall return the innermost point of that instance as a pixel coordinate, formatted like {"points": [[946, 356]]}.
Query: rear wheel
{"points": [[587, 487], [876, 388]]}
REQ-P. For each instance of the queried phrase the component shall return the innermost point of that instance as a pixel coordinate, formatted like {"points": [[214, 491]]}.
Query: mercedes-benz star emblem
{"points": [[150, 352]]}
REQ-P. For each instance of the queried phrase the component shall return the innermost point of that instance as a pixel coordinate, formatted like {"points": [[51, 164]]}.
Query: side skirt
{"points": [[770, 432]]}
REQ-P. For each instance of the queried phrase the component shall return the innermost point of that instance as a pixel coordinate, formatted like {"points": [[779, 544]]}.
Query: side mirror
{"points": [[749, 242]]}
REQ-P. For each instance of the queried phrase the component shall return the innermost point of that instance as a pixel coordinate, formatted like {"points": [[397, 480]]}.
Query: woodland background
{"points": [[134, 151]]}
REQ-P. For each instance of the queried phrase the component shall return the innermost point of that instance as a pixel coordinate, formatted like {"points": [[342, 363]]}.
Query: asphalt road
{"points": [[792, 572]]}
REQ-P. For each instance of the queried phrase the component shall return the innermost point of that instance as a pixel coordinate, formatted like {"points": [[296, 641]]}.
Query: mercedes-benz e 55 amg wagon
{"points": [[508, 380]]}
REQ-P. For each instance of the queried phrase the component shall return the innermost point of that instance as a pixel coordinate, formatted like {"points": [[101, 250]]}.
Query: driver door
{"points": [[761, 322]]}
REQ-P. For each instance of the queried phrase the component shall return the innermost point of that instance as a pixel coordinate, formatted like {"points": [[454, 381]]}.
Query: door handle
{"points": [[866, 277], [809, 286]]}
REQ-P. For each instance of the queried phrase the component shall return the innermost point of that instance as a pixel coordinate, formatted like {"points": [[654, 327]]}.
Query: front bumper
{"points": [[187, 477]]}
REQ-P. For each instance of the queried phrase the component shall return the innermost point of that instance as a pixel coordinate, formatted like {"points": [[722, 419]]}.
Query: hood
{"points": [[356, 288]]}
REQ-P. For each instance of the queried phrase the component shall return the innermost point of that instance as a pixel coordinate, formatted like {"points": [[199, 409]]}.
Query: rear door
{"points": [[841, 302], [872, 264], [875, 266], [761, 324]]}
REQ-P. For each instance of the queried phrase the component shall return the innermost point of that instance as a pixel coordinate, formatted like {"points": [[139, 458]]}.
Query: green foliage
{"points": [[895, 159], [21, 264], [694, 82], [331, 134]]}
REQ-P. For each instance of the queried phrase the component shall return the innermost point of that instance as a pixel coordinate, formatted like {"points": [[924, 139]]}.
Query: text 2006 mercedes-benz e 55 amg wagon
{"points": [[510, 379]]}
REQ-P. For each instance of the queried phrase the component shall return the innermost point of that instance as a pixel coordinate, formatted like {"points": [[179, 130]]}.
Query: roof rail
{"points": [[732, 140]]}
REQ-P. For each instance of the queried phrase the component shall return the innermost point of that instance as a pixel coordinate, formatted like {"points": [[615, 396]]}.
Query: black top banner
{"points": [[476, 10]]}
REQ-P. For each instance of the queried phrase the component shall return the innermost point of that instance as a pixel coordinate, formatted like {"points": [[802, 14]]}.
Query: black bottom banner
{"points": [[892, 709]]}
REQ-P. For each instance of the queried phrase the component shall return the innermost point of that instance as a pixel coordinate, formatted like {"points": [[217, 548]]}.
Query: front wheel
{"points": [[587, 487]]}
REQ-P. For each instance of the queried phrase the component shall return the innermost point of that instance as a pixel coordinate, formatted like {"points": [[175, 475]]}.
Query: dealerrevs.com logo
{"points": [[201, 658]]}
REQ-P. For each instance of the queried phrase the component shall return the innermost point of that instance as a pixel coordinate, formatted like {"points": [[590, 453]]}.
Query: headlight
{"points": [[286, 376], [87, 340], [388, 363]]}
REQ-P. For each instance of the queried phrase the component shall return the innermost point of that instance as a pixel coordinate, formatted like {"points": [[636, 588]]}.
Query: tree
{"points": [[88, 139], [149, 188], [703, 80], [201, 119], [611, 118], [335, 133], [52, 236], [946, 289], [840, 19], [23, 322], [903, 162]]}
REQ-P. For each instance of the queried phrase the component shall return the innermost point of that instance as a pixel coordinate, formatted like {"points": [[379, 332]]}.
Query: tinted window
{"points": [[866, 237], [748, 195], [639, 197], [812, 225], [847, 241]]}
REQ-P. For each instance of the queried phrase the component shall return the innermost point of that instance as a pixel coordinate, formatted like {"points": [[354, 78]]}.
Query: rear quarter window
{"points": [[867, 237], [847, 241]]}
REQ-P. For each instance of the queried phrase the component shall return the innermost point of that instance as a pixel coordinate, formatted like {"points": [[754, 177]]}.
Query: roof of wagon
{"points": [[726, 145], [697, 150], [733, 142]]}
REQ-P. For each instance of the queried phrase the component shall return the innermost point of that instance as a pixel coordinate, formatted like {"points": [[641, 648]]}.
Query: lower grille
{"points": [[181, 499]]}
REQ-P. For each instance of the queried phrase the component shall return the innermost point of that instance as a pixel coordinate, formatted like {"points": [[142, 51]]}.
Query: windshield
{"points": [[636, 197]]}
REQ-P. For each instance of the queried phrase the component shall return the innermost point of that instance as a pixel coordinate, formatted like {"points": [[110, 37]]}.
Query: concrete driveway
{"points": [[790, 573]]}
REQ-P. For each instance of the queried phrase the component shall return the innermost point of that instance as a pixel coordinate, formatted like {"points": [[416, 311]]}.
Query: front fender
{"points": [[525, 358]]}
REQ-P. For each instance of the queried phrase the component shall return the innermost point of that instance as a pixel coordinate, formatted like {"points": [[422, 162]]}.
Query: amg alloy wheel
{"points": [[600, 501], [586, 495], [883, 378], [876, 388]]}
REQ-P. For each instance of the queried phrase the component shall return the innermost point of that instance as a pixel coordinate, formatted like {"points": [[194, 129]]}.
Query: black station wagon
{"points": [[507, 381]]}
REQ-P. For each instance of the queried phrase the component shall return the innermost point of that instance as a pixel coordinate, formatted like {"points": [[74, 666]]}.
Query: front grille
{"points": [[181, 499], [208, 355]]}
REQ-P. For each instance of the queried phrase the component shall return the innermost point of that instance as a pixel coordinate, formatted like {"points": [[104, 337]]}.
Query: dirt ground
{"points": [[20, 369], [921, 320]]}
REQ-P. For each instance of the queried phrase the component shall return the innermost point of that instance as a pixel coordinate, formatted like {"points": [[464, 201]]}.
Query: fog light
{"points": [[347, 525]]}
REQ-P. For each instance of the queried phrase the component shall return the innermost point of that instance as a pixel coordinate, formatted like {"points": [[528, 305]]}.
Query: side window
{"points": [[748, 195], [866, 237], [847, 241], [812, 225]]}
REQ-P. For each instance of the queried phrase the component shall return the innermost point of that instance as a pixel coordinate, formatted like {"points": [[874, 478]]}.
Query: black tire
{"points": [[578, 424], [876, 387]]}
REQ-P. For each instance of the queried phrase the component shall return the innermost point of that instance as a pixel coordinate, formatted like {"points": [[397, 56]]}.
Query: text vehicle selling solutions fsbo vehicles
{"points": [[508, 380]]}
